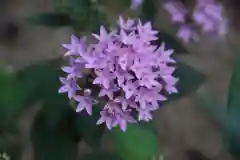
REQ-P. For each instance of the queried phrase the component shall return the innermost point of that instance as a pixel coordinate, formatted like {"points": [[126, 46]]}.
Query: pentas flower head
{"points": [[129, 74], [177, 11], [207, 17]]}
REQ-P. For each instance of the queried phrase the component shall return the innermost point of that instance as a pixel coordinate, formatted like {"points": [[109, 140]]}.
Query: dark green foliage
{"points": [[170, 42], [100, 155], [87, 15], [234, 88], [214, 107], [149, 126], [12, 96], [53, 132], [229, 121], [86, 125], [56, 140], [233, 127], [41, 81], [136, 143], [51, 19], [126, 3], [189, 81], [81, 15], [11, 144], [149, 11]]}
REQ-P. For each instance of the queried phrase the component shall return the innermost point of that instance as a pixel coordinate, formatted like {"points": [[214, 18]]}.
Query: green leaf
{"points": [[80, 7], [231, 135], [233, 130], [91, 16], [62, 6], [51, 19], [212, 106], [56, 141], [189, 81], [136, 143], [149, 11], [99, 155], [234, 88], [170, 41], [86, 125], [40, 80], [12, 96], [53, 134], [125, 3], [11, 145], [149, 126]]}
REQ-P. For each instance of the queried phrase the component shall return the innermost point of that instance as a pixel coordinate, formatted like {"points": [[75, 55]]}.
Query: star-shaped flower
{"points": [[128, 25], [85, 102], [109, 92], [73, 47], [70, 86]]}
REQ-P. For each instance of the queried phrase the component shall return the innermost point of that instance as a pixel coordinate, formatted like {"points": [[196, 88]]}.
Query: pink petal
{"points": [[63, 89], [123, 125], [67, 69], [89, 109]]}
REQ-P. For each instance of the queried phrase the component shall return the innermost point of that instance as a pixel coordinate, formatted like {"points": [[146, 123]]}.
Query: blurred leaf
{"points": [[56, 141], [87, 16], [86, 125], [229, 121], [40, 80], [233, 130], [80, 10], [189, 81], [125, 3], [53, 133], [12, 95], [136, 143], [149, 11], [62, 6], [101, 156], [51, 19], [11, 145], [149, 126], [234, 88], [170, 42], [91, 16], [210, 104], [96, 20], [232, 135]]}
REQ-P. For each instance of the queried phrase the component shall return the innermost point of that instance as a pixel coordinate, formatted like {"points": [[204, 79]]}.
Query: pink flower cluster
{"points": [[207, 17], [132, 74]]}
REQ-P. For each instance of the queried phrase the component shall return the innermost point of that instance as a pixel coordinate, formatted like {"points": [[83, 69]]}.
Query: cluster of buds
{"points": [[129, 73], [206, 17]]}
